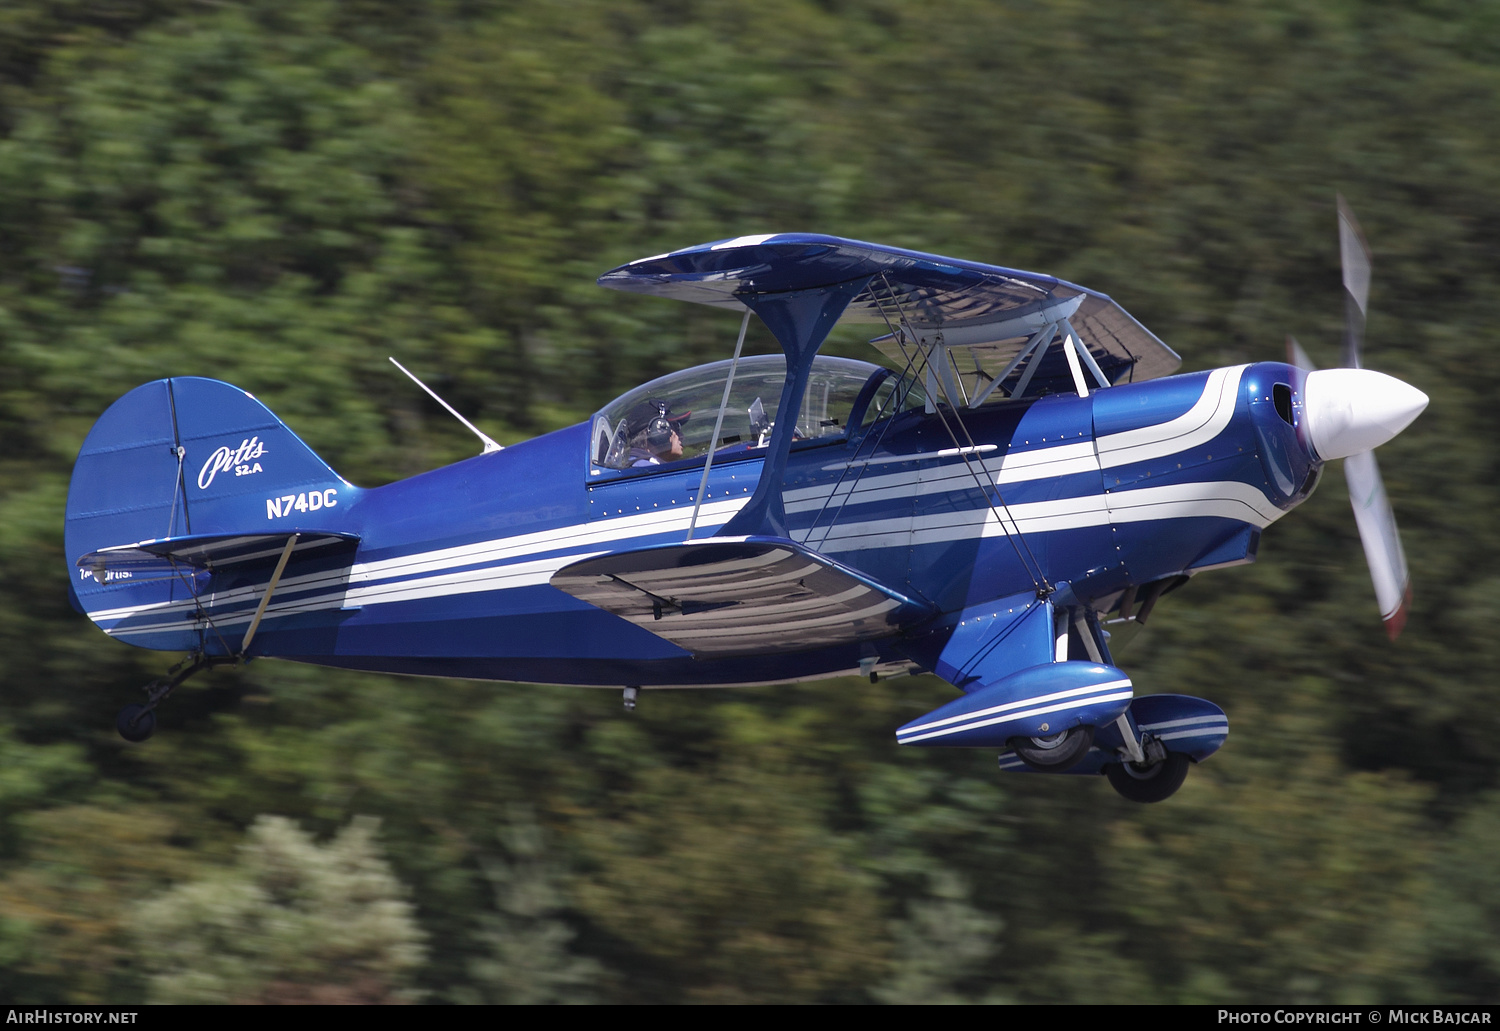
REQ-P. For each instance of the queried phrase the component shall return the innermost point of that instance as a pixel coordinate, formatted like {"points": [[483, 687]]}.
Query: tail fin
{"points": [[188, 457]]}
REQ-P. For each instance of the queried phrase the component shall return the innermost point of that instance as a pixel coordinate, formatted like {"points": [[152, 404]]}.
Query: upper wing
{"points": [[740, 596], [988, 310]]}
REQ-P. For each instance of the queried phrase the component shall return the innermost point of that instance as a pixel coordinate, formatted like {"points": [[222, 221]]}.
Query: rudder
{"points": [[189, 456]]}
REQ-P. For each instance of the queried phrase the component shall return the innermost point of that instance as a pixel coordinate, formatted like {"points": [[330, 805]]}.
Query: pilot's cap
{"points": [[642, 415]]}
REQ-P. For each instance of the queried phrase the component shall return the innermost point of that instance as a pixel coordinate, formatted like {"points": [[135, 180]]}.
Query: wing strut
{"points": [[800, 321], [1076, 342], [265, 599], [708, 463], [1043, 334]]}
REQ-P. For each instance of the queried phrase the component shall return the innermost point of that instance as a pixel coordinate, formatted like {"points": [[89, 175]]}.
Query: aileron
{"points": [[756, 595]]}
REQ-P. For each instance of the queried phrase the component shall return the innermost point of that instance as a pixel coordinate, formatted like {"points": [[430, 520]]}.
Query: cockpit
{"points": [[674, 418]]}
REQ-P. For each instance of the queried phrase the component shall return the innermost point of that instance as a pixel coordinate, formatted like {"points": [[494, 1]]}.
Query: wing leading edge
{"points": [[722, 597], [988, 310]]}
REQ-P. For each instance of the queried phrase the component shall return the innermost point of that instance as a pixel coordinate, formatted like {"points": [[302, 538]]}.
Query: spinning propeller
{"points": [[1350, 411]]}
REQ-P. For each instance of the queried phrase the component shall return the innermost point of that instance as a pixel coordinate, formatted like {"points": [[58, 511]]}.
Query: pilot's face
{"points": [[674, 449]]}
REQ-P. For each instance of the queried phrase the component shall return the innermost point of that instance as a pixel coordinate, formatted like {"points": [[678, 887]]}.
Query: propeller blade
{"points": [[1354, 256], [1382, 541], [1348, 412], [1298, 357]]}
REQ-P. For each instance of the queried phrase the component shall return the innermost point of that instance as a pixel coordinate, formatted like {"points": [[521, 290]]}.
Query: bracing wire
{"points": [[181, 452], [905, 381], [202, 610], [988, 490]]}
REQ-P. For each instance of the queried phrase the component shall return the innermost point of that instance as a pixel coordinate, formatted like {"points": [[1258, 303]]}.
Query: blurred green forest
{"points": [[282, 195]]}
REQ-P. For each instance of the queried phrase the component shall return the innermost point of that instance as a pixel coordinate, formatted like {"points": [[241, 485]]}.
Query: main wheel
{"points": [[1055, 753], [136, 723], [1149, 783]]}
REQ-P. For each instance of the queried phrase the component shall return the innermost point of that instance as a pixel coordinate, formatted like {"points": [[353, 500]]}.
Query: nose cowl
{"points": [[1349, 411]]}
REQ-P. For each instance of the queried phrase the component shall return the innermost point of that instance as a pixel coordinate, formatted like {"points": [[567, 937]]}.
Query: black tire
{"points": [[1056, 753], [1149, 783], [136, 723]]}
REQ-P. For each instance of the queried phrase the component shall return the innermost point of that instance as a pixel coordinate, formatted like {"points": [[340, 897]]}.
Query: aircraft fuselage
{"points": [[1127, 486]]}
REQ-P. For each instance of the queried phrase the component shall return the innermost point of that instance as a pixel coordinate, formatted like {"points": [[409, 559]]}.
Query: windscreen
{"points": [[638, 429]]}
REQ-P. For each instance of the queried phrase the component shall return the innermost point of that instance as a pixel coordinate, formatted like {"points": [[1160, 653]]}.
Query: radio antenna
{"points": [[489, 445]]}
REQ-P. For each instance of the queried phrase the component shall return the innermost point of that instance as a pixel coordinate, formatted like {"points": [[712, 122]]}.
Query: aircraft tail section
{"points": [[187, 457]]}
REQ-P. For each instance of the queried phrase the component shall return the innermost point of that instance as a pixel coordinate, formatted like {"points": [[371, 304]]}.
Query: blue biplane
{"points": [[1025, 475]]}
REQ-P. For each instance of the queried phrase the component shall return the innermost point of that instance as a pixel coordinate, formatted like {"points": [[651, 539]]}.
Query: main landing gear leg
{"points": [[138, 722], [632, 695]]}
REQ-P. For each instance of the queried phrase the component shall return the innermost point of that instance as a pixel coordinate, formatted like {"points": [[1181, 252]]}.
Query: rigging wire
{"points": [[202, 611], [905, 381], [1028, 561], [177, 490]]}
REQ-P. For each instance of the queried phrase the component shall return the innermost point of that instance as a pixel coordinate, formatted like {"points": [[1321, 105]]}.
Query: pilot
{"points": [[655, 433]]}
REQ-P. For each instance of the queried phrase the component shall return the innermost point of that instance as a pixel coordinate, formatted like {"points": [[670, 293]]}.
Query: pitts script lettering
{"points": [[241, 460]]}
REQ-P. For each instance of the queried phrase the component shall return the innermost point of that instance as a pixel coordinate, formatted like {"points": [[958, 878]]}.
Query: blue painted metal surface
{"points": [[938, 293], [995, 554], [1184, 724], [453, 565], [1033, 702]]}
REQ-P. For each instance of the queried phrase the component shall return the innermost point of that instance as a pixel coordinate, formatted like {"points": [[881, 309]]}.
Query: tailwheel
{"points": [[138, 722], [1148, 782], [1055, 753], [135, 723]]}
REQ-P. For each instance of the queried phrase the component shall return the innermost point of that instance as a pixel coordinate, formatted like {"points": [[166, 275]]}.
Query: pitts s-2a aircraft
{"points": [[1028, 475]]}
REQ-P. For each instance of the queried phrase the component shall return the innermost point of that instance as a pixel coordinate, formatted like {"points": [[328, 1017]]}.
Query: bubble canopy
{"points": [[839, 390]]}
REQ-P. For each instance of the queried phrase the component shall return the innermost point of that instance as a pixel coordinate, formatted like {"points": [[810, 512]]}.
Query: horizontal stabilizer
{"points": [[722, 597], [168, 557]]}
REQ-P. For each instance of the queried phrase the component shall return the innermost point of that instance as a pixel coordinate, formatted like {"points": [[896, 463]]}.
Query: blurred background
{"points": [[282, 195]]}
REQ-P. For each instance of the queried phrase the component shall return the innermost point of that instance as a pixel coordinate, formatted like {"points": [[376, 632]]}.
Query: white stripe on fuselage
{"points": [[449, 569], [1224, 499], [496, 564], [1198, 425], [1204, 421]]}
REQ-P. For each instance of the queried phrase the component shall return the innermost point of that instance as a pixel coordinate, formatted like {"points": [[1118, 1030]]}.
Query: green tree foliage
{"points": [[281, 198], [1464, 957], [291, 922], [943, 943], [732, 887], [70, 908], [528, 962]]}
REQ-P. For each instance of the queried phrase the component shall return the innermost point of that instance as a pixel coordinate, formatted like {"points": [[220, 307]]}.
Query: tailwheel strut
{"points": [[138, 722]]}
